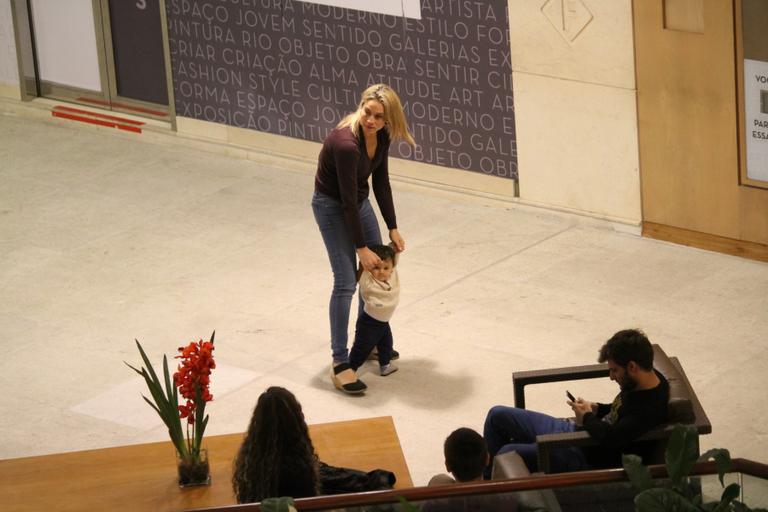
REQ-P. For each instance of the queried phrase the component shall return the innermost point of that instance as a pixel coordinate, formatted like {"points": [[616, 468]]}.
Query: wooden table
{"points": [[143, 476]]}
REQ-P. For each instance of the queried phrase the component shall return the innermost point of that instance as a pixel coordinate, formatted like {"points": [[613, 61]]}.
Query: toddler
{"points": [[380, 291]]}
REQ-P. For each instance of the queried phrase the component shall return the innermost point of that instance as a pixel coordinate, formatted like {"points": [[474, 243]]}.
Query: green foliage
{"points": [[663, 500], [681, 455], [639, 475], [406, 505], [677, 495], [166, 403], [722, 461], [281, 504]]}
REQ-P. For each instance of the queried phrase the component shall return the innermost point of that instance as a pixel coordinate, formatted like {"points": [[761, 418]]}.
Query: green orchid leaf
{"points": [[169, 387], [145, 375], [662, 500], [165, 406], [152, 405], [200, 418], [199, 432], [168, 414], [165, 402], [168, 409], [156, 392], [172, 399], [147, 364], [132, 368]]}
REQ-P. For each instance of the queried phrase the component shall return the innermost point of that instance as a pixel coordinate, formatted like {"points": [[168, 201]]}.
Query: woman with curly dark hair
{"points": [[277, 457]]}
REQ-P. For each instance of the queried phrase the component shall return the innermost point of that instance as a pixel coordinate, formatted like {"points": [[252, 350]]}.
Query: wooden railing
{"points": [[535, 482]]}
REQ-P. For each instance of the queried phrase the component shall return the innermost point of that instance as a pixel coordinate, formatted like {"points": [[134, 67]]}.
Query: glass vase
{"points": [[194, 472]]}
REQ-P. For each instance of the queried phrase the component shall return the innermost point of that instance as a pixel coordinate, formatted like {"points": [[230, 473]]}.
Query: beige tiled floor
{"points": [[106, 238]]}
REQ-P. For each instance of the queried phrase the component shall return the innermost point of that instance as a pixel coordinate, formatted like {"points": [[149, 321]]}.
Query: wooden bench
{"points": [[143, 476]]}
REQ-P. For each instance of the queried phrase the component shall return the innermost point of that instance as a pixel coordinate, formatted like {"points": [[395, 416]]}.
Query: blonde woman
{"points": [[356, 150]]}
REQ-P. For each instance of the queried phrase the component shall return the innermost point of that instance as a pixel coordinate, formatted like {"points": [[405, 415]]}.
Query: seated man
{"points": [[640, 406], [466, 456]]}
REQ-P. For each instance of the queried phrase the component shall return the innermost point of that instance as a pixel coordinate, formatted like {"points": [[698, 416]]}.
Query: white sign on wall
{"points": [[407, 8], [756, 118]]}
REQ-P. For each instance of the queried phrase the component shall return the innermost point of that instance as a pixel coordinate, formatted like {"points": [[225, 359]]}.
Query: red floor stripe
{"points": [[127, 128], [108, 124], [83, 119], [96, 114], [124, 106]]}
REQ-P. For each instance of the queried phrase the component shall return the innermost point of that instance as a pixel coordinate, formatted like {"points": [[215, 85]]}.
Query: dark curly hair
{"points": [[277, 457], [384, 252], [628, 345]]}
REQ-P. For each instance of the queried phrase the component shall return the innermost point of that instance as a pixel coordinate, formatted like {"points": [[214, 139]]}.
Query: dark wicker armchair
{"points": [[684, 406]]}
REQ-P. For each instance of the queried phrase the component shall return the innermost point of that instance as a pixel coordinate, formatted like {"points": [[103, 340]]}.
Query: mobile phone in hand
{"points": [[570, 396]]}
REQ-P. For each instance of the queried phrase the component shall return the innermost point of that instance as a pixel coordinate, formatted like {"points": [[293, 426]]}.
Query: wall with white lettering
{"points": [[408, 8], [295, 68]]}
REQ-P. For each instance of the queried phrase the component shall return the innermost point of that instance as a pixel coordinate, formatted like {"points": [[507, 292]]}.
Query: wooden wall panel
{"points": [[688, 127]]}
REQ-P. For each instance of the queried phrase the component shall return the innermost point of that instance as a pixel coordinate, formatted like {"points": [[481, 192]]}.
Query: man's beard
{"points": [[628, 383]]}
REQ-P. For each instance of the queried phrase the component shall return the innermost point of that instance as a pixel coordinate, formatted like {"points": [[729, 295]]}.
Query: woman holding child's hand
{"points": [[368, 258], [358, 148], [395, 238]]}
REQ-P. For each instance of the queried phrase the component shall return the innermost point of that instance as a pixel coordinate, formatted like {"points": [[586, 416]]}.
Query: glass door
{"points": [[70, 64], [104, 53], [133, 35]]}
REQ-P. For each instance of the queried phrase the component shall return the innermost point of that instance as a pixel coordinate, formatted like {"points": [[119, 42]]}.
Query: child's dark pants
{"points": [[370, 333]]}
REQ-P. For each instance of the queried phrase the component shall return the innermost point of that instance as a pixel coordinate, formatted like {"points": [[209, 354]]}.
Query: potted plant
{"points": [[677, 493], [191, 381]]}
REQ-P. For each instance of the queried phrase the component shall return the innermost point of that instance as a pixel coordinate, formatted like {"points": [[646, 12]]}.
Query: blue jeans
{"points": [[510, 429], [341, 253]]}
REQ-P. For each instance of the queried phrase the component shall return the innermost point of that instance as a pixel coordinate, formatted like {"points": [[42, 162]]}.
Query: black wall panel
{"points": [[295, 68]]}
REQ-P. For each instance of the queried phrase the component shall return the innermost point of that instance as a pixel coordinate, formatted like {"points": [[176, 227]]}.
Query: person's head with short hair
{"points": [[629, 355], [383, 271], [466, 454]]}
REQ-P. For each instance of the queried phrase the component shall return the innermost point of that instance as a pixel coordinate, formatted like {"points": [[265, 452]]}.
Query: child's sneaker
{"points": [[387, 369], [374, 355]]}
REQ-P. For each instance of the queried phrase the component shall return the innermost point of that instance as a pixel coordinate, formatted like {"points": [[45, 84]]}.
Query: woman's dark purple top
{"points": [[343, 168]]}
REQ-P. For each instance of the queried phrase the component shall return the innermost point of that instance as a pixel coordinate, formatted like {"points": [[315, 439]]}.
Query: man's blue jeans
{"points": [[511, 429], [341, 253]]}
